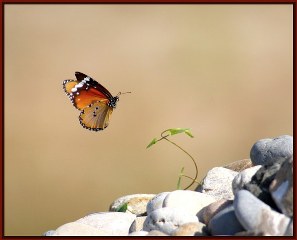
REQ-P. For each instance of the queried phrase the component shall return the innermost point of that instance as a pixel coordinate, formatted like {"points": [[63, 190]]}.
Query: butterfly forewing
{"points": [[82, 94], [81, 76], [96, 116]]}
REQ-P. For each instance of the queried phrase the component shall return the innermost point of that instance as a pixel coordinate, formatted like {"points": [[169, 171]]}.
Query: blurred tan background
{"points": [[225, 71]]}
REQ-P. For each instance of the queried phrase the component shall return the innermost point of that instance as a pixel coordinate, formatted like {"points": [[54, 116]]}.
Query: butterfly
{"points": [[95, 101]]}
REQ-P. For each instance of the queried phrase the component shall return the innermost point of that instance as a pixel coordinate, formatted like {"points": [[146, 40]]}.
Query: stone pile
{"points": [[250, 197]]}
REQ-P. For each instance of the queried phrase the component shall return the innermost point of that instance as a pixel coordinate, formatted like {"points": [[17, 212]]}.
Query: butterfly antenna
{"points": [[120, 93]]}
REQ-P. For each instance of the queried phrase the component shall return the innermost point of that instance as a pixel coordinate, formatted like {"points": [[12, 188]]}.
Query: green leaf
{"points": [[189, 133], [122, 208], [179, 178], [154, 141], [174, 131]]}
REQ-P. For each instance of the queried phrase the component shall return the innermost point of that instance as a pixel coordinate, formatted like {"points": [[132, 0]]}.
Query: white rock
{"points": [[156, 202], [138, 233], [244, 177], [113, 223], [218, 183], [78, 229], [167, 219], [187, 200]]}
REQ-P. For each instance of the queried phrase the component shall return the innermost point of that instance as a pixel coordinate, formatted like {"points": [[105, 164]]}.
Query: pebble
{"points": [[257, 216], [190, 229], [156, 233], [243, 178], [167, 219], [268, 150], [136, 203], [225, 223], [137, 224], [212, 209], [48, 233], [138, 233], [218, 183], [239, 165], [281, 188], [189, 201], [156, 202]]}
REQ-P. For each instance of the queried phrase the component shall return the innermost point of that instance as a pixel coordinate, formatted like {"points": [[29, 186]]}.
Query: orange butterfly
{"points": [[95, 101]]}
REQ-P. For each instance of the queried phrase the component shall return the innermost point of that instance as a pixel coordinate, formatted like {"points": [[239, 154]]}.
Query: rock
{"points": [[212, 209], [136, 203], [113, 223], [139, 233], [250, 233], [225, 223], [156, 202], [167, 219], [260, 182], [269, 150], [281, 188], [78, 229], [190, 229], [256, 216], [156, 233], [243, 178], [137, 224], [239, 165], [48, 233], [187, 200], [289, 230], [218, 183]]}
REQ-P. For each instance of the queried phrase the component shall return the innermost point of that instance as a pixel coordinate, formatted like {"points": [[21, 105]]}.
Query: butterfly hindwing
{"points": [[96, 116]]}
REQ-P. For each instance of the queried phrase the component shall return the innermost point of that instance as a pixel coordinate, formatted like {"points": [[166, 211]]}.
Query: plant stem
{"points": [[193, 160]]}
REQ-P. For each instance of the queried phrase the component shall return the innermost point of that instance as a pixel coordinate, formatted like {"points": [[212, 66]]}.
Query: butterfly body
{"points": [[95, 101]]}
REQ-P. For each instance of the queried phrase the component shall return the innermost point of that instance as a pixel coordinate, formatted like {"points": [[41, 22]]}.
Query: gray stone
{"points": [[225, 223], [167, 219], [218, 183], [243, 178], [156, 202], [281, 188], [137, 224], [257, 216], [212, 209], [113, 223], [190, 229], [267, 151], [260, 182], [289, 230], [136, 203], [48, 233], [189, 201]]}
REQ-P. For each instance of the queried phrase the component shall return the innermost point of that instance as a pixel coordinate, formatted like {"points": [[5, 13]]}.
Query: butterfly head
{"points": [[113, 102]]}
